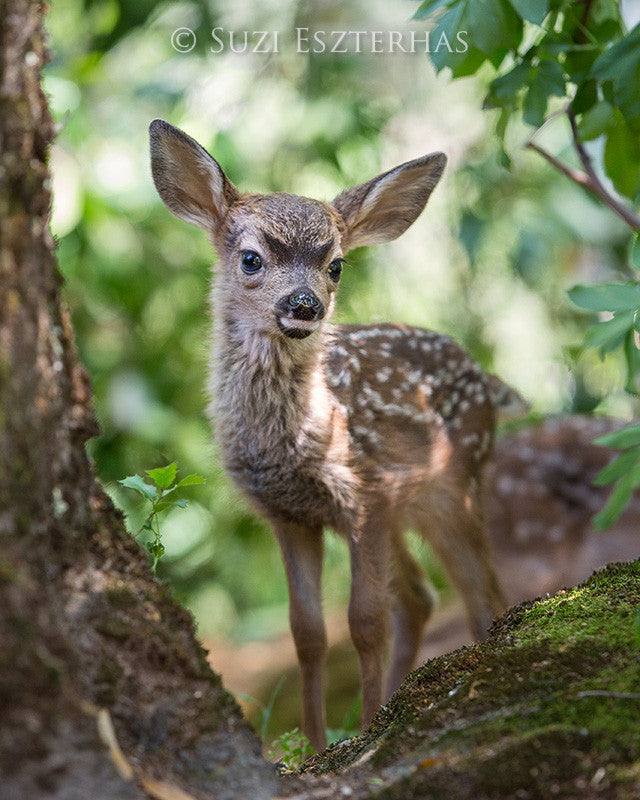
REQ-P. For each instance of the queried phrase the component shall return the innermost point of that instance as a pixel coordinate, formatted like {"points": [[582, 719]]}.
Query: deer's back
{"points": [[413, 398]]}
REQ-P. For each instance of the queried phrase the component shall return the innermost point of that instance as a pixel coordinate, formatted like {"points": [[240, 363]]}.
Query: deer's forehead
{"points": [[287, 224]]}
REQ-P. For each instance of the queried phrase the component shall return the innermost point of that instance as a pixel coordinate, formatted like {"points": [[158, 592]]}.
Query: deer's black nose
{"points": [[305, 305]]}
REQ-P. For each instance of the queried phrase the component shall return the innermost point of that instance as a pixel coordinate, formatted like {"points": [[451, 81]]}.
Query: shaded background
{"points": [[489, 262]]}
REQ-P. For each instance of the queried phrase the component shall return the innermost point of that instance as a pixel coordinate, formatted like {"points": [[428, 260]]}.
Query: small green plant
{"points": [[157, 493], [292, 749], [350, 724], [264, 710]]}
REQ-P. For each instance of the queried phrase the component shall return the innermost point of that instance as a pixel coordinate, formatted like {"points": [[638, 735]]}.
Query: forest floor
{"points": [[547, 707]]}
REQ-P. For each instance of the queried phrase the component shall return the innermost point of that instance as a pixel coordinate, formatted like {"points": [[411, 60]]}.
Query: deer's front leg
{"points": [[302, 551], [368, 609]]}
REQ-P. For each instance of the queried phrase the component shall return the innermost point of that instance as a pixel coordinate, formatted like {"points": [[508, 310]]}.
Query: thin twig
{"points": [[628, 214], [575, 174], [616, 695], [587, 179]]}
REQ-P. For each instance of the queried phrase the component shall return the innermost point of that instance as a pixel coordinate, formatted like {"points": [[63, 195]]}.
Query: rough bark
{"points": [[83, 624]]}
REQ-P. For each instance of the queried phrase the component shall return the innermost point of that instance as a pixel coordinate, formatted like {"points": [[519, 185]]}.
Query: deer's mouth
{"points": [[297, 328]]}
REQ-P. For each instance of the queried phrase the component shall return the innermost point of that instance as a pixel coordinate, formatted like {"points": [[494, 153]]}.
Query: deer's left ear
{"points": [[383, 208]]}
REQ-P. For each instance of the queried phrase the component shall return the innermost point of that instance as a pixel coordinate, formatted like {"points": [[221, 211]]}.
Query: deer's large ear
{"points": [[190, 182], [383, 208]]}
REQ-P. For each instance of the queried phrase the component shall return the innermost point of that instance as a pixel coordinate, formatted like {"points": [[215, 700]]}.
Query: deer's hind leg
{"points": [[452, 523], [412, 603]]}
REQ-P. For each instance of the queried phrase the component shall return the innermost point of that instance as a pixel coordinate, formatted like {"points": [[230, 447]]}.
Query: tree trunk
{"points": [[88, 637]]}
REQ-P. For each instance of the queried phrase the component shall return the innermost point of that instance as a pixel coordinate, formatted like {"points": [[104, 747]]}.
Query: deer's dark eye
{"points": [[335, 269], [250, 262]]}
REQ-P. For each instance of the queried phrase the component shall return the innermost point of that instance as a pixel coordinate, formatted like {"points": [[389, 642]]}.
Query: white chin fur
{"points": [[299, 324]]}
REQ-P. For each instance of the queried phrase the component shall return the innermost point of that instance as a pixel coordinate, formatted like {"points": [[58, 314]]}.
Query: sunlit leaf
{"points": [[163, 476], [191, 480], [138, 484]]}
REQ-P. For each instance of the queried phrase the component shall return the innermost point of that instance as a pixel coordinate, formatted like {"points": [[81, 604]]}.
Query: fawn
{"points": [[366, 429]]}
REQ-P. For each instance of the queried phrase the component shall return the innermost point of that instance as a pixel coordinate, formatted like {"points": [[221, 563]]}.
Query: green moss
{"points": [[547, 703]]}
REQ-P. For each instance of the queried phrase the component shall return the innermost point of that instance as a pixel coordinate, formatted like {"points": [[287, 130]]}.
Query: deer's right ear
{"points": [[190, 182]]}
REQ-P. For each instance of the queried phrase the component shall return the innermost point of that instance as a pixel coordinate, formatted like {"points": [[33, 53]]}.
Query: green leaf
{"points": [[163, 476], [620, 65], [532, 10], [156, 549], [551, 77], [622, 158], [607, 296], [621, 59], [534, 107], [462, 61], [632, 355], [578, 60], [620, 465], [618, 500], [163, 505], [609, 334], [429, 7], [493, 25], [547, 79], [191, 480], [596, 121], [137, 483], [585, 97], [503, 89], [620, 440], [634, 251]]}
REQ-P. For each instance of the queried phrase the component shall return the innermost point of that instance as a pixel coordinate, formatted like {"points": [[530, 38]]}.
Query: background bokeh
{"points": [[489, 262]]}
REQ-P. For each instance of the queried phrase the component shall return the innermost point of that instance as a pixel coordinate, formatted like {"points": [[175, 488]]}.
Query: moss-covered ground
{"points": [[548, 706]]}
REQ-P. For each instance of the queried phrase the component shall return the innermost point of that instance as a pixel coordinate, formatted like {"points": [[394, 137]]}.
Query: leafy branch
{"points": [[587, 179], [541, 49], [580, 53], [158, 494]]}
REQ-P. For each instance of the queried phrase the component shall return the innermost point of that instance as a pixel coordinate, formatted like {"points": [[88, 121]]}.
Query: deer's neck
{"points": [[283, 437], [269, 396]]}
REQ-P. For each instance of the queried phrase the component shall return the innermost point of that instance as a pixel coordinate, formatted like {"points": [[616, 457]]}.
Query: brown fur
{"points": [[368, 430]]}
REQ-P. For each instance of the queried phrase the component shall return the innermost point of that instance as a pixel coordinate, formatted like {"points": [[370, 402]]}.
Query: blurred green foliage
{"points": [[580, 52], [489, 262], [583, 54]]}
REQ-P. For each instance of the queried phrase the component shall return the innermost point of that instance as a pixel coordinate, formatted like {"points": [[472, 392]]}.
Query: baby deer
{"points": [[366, 429]]}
